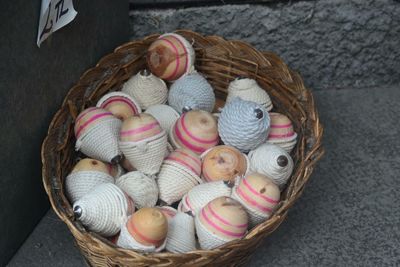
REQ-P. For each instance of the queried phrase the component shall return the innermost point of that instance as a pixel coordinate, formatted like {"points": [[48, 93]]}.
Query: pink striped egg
{"points": [[119, 104], [170, 56], [259, 193], [187, 159], [139, 127], [281, 128], [169, 212], [195, 130], [88, 118], [224, 217]]}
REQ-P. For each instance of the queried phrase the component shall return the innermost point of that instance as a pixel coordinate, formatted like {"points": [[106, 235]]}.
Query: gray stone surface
{"points": [[33, 83], [349, 213], [334, 43]]}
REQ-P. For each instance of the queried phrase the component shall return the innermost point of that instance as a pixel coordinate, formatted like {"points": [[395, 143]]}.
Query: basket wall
{"points": [[220, 61]]}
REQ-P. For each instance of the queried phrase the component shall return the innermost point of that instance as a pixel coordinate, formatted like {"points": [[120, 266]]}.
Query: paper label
{"points": [[54, 15]]}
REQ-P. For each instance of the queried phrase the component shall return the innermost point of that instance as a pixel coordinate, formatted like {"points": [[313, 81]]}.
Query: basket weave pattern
{"points": [[220, 61]]}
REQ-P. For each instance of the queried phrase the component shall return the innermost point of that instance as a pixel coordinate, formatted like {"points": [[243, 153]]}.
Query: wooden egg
{"points": [[91, 165], [119, 104], [170, 56], [224, 217], [148, 226], [196, 130], [281, 127], [139, 127], [259, 192], [88, 118], [223, 163], [187, 159]]}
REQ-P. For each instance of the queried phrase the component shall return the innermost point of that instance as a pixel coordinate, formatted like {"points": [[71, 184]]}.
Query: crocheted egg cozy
{"points": [[121, 105], [281, 132], [164, 114], [78, 184], [181, 234], [103, 209], [191, 91], [141, 188], [243, 124], [248, 89], [272, 161]]}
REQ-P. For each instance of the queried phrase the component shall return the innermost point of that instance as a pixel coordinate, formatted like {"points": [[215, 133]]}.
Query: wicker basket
{"points": [[220, 61]]}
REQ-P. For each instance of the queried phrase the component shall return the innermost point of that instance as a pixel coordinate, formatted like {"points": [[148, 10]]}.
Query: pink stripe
{"points": [[120, 99], [140, 129], [189, 156], [183, 163], [281, 125], [92, 119], [182, 120], [177, 58], [252, 202], [187, 203], [187, 144], [205, 175], [281, 135], [145, 238], [84, 113], [184, 48], [225, 221], [219, 228], [268, 199]]}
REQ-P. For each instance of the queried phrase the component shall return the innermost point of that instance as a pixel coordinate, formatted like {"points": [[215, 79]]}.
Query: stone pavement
{"points": [[349, 214]]}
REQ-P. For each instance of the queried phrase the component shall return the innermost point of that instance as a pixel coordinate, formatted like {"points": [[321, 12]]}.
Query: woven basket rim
{"points": [[313, 150]]}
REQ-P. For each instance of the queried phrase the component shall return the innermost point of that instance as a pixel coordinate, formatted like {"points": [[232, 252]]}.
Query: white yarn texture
{"points": [[147, 90], [248, 89], [191, 90], [141, 188], [174, 181], [78, 184], [121, 94], [147, 155], [104, 209], [181, 234], [264, 160], [164, 114], [255, 216], [239, 127], [201, 194], [125, 240], [207, 239], [101, 140]]}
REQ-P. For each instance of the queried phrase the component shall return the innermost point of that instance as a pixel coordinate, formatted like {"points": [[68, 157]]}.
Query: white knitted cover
{"points": [[191, 90], [101, 140], [147, 90], [286, 144], [255, 216], [181, 234], [104, 209], [264, 160], [147, 155], [239, 127], [248, 89], [207, 239], [169, 209], [141, 188], [125, 240], [174, 181], [78, 184], [121, 94], [201, 194], [164, 114]]}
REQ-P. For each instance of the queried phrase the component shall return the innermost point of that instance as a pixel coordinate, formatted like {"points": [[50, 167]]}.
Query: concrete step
{"points": [[349, 213]]}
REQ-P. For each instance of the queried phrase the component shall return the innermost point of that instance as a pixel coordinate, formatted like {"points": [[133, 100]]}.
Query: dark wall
{"points": [[334, 44], [33, 83]]}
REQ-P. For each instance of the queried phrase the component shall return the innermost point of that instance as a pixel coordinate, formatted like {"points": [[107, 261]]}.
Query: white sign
{"points": [[54, 15]]}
